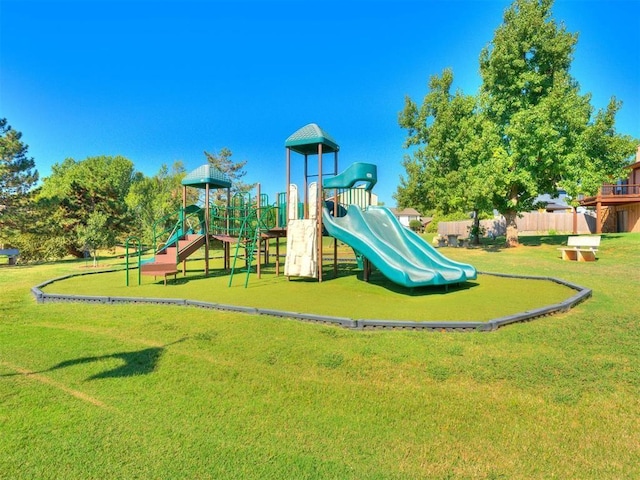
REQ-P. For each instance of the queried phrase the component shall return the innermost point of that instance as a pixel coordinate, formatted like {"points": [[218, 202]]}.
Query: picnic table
{"points": [[452, 239], [581, 248]]}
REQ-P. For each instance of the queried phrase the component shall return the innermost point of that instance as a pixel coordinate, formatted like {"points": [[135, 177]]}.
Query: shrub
{"points": [[415, 225]]}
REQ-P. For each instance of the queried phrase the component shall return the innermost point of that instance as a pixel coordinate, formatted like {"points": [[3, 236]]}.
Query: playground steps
{"points": [[164, 263], [166, 255], [159, 269], [167, 258], [189, 245]]}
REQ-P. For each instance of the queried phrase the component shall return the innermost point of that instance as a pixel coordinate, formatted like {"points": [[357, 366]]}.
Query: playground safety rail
{"points": [[582, 294], [180, 219]]}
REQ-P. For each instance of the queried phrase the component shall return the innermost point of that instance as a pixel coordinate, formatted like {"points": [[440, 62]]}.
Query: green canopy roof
{"points": [[206, 175], [307, 139]]}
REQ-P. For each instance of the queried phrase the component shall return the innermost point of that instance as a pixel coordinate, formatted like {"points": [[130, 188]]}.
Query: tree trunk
{"points": [[476, 227], [512, 229]]}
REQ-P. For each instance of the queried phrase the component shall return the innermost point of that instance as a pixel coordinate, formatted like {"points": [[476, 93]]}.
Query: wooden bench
{"points": [[581, 248], [160, 269]]}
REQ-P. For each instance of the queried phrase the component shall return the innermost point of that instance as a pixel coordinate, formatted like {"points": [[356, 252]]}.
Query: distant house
{"points": [[617, 204], [554, 203], [406, 215]]}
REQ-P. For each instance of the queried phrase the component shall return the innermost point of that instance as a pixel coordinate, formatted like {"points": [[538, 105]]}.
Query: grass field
{"points": [[142, 391]]}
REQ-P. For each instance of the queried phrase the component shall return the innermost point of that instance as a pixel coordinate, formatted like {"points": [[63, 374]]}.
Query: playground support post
{"points": [[258, 226], [366, 269], [126, 257], [182, 229], [335, 214], [319, 214], [207, 220], [305, 202], [227, 245], [277, 256], [288, 194]]}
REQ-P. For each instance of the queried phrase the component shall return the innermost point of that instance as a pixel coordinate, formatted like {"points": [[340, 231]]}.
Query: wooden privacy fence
{"points": [[531, 223]]}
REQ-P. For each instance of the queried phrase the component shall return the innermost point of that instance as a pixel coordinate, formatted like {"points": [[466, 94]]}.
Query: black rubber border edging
{"points": [[582, 293]]}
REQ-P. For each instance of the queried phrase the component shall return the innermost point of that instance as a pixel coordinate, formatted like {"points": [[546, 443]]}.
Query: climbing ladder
{"points": [[258, 218], [248, 237]]}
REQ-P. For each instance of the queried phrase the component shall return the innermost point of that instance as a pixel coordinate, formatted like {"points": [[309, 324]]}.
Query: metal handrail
{"points": [[184, 218], [126, 256]]}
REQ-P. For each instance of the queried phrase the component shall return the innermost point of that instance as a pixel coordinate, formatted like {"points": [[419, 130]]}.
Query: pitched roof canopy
{"points": [[306, 140], [206, 175]]}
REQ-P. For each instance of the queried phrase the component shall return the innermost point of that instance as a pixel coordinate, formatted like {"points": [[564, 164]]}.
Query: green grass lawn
{"points": [[143, 391]]}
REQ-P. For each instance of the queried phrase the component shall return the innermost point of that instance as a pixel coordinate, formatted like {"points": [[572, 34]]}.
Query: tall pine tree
{"points": [[17, 177]]}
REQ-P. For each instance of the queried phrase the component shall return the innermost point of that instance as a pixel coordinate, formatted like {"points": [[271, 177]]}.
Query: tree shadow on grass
{"points": [[538, 240], [136, 362], [499, 244]]}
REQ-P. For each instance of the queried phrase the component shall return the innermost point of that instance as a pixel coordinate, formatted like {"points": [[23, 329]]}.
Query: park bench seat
{"points": [[581, 248], [160, 269]]}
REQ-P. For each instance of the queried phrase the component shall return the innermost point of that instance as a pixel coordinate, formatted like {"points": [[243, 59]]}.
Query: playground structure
{"points": [[332, 203], [241, 223], [339, 204]]}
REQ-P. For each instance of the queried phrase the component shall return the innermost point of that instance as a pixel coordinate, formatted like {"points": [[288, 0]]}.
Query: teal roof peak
{"points": [[206, 175], [307, 139]]}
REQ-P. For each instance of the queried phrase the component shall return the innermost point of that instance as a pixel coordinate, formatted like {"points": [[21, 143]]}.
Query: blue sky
{"points": [[160, 81]]}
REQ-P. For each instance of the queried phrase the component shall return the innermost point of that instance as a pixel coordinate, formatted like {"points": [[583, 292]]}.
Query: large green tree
{"points": [[444, 172], [95, 234], [546, 136], [530, 132], [17, 177], [150, 199], [77, 189], [600, 156]]}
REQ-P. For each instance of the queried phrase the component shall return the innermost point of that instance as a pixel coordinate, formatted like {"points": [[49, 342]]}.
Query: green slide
{"points": [[400, 254], [356, 173]]}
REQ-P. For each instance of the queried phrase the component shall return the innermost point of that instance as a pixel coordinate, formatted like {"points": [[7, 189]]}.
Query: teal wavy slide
{"points": [[400, 254], [357, 172]]}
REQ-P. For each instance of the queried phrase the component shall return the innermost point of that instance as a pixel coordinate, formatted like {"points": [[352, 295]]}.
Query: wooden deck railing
{"points": [[612, 190]]}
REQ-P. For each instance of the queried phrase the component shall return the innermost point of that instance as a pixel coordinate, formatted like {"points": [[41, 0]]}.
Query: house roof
{"points": [[635, 165], [407, 212], [557, 206]]}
